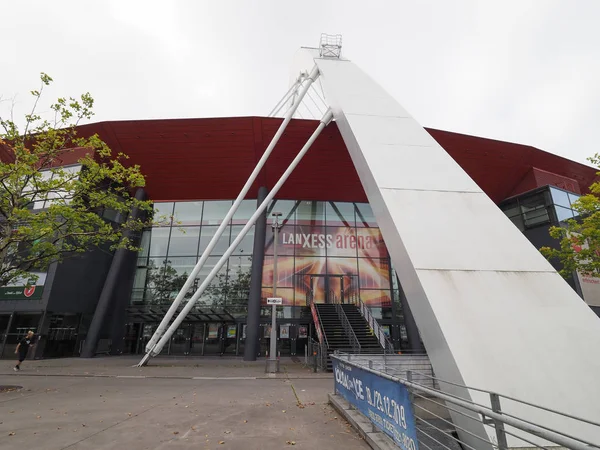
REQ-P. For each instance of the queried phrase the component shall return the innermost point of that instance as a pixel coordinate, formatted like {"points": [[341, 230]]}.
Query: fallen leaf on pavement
{"points": [[175, 432], [11, 433], [221, 442], [291, 442]]}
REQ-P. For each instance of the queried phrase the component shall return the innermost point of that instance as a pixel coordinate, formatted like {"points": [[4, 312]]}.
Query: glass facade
{"points": [[327, 251], [548, 205]]}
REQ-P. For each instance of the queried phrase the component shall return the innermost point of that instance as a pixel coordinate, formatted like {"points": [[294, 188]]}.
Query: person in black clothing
{"points": [[23, 348]]}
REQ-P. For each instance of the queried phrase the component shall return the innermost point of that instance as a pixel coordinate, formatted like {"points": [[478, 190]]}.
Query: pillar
{"points": [[107, 296], [258, 256]]}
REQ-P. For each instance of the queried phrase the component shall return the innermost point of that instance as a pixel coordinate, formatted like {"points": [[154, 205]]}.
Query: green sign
{"points": [[21, 293]]}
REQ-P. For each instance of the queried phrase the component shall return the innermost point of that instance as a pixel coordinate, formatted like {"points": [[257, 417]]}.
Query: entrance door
{"points": [[332, 288]]}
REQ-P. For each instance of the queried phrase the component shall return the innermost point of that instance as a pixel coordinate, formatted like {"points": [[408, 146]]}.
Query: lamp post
{"points": [[273, 365]]}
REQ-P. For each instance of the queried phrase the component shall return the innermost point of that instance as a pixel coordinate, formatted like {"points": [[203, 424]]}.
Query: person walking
{"points": [[23, 348]]}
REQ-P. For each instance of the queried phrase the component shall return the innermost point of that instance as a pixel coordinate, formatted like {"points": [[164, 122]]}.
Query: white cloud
{"points": [[519, 70]]}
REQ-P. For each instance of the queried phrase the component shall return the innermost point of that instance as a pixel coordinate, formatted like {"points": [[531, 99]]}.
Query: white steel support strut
{"points": [[314, 74], [190, 304]]}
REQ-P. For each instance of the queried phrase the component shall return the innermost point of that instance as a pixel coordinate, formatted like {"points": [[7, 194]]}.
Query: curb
{"points": [[376, 439]]}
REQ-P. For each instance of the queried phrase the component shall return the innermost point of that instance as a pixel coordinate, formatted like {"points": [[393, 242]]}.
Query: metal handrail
{"points": [[316, 315], [348, 330], [508, 397], [374, 325], [498, 418]]}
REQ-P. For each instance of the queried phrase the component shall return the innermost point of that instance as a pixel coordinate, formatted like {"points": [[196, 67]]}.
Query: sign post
{"points": [[273, 361]]}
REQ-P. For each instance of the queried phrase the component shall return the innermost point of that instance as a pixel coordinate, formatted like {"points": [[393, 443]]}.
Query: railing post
{"points": [[498, 425], [370, 364], [409, 378]]}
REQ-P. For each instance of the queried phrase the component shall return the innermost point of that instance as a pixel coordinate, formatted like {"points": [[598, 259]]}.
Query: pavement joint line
{"points": [[166, 377]]}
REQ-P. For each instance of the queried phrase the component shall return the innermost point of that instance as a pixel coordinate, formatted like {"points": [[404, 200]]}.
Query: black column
{"points": [[106, 297], [414, 340], [258, 257]]}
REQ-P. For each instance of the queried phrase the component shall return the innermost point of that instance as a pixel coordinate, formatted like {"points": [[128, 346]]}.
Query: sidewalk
{"points": [[204, 403], [161, 367]]}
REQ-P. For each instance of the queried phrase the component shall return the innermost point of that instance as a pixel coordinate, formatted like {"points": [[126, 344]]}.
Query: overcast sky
{"points": [[521, 71]]}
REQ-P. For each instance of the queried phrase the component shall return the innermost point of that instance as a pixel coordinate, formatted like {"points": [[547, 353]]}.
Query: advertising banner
{"points": [[21, 293], [357, 254], [213, 331], [386, 403], [231, 331]]}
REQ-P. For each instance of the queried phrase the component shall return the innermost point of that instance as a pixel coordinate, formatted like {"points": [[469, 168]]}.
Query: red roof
{"points": [[186, 159]]}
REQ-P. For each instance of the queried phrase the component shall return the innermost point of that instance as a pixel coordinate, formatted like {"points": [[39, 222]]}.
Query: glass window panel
{"points": [[534, 217], [376, 298], [342, 241], [139, 281], [560, 198], [563, 213], [184, 241], [286, 243], [518, 221], [533, 202], [163, 214], [310, 213], [285, 271], [216, 292], [374, 273], [181, 265], [512, 210], [341, 214], [309, 240], [244, 212], [215, 211], [240, 270], [158, 286], [159, 241], [145, 244], [188, 213], [207, 233], [287, 208], [342, 266], [573, 198], [365, 216], [370, 244], [247, 245]]}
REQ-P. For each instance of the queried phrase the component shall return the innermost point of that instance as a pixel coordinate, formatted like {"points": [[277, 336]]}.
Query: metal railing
{"points": [[318, 324], [347, 326], [317, 354], [447, 417], [384, 341]]}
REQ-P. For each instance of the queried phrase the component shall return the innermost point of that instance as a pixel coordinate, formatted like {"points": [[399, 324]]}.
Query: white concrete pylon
{"points": [[492, 312]]}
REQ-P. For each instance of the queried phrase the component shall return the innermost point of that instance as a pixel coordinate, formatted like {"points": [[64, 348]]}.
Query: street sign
{"points": [[274, 301]]}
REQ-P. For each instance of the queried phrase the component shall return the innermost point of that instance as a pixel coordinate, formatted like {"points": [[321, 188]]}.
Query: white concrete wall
{"points": [[492, 311]]}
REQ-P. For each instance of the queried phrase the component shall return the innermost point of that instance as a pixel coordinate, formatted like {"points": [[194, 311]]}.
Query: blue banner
{"points": [[386, 403]]}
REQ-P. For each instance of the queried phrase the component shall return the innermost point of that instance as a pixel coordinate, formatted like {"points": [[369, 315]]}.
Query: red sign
{"points": [[28, 291]]}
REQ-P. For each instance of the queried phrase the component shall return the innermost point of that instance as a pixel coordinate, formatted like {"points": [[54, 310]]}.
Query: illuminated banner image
{"points": [[328, 262], [386, 403]]}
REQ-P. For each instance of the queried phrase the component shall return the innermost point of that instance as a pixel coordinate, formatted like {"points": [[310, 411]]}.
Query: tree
{"points": [[49, 212], [229, 288], [579, 238], [164, 283]]}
